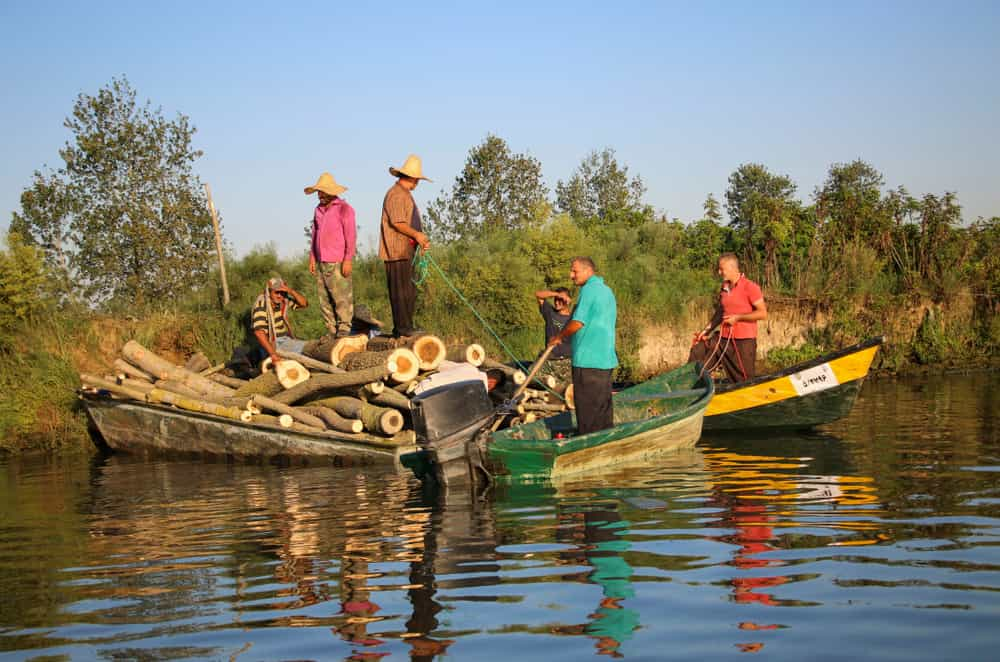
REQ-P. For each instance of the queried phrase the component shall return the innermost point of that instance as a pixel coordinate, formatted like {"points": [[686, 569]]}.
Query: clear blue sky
{"points": [[684, 92]]}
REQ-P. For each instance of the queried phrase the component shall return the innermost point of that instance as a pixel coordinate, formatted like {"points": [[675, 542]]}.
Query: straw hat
{"points": [[412, 168], [327, 184]]}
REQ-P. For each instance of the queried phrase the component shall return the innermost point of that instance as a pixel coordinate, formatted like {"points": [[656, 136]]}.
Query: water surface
{"points": [[873, 538]]}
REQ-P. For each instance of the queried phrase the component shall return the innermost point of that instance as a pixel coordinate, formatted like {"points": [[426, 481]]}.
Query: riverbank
{"points": [[39, 410]]}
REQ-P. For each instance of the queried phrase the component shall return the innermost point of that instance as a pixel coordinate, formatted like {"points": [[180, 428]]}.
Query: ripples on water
{"points": [[876, 537]]}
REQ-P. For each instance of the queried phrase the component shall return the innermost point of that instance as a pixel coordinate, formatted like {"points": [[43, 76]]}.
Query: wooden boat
{"points": [[143, 428], [657, 416], [807, 394]]}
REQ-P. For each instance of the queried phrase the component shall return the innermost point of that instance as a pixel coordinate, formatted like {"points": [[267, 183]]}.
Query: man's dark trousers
{"points": [[592, 393], [402, 295]]}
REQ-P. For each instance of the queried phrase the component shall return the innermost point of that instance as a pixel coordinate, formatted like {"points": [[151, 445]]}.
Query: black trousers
{"points": [[402, 295], [737, 356], [592, 393]]}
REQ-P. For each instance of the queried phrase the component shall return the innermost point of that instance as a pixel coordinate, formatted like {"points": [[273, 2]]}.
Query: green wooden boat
{"points": [[660, 415]]}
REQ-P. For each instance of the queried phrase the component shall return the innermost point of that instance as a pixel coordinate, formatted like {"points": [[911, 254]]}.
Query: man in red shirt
{"points": [[734, 345], [334, 239]]}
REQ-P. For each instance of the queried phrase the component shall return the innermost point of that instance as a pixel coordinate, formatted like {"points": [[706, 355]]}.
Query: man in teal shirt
{"points": [[592, 330]]}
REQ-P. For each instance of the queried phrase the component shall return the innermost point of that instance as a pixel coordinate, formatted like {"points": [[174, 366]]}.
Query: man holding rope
{"points": [[734, 345]]}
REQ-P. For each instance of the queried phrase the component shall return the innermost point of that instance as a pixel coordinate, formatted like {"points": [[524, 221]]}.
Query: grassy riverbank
{"points": [[665, 289]]}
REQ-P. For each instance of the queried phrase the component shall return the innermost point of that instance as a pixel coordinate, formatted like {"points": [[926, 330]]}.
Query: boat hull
{"points": [[812, 393], [139, 428]]}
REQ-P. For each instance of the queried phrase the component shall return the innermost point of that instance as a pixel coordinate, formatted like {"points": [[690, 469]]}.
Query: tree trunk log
{"points": [[391, 398], [474, 354], [332, 350], [110, 386], [309, 362], [123, 366], [430, 351], [158, 395], [139, 356], [328, 382], [266, 384], [515, 375], [231, 382], [303, 417], [401, 363], [197, 362], [290, 373], [382, 343], [335, 421], [375, 419]]}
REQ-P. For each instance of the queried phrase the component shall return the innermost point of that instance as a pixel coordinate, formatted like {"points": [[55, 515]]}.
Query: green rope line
{"points": [[422, 263]]}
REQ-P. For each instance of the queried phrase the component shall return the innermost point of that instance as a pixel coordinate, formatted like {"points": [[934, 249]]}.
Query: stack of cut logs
{"points": [[355, 386]]}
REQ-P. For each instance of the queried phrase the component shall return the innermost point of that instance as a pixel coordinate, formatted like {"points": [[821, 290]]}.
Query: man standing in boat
{"points": [[401, 234], [734, 345], [334, 239], [592, 330], [269, 319]]}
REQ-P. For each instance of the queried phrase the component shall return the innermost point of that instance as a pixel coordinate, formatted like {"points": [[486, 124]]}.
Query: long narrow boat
{"points": [[658, 416], [142, 428], [807, 394]]}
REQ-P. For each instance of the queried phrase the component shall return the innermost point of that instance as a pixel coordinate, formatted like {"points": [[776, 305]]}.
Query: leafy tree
{"points": [[125, 218], [600, 192], [496, 190], [711, 207], [850, 203], [762, 212], [23, 283]]}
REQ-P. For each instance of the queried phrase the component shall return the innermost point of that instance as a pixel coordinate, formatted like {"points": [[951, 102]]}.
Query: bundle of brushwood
{"points": [[366, 395]]}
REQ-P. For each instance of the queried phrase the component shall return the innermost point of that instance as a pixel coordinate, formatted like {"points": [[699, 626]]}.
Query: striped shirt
{"points": [[258, 318], [398, 208]]}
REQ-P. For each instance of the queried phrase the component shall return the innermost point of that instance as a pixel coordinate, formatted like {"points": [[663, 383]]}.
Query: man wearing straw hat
{"points": [[334, 239], [401, 234]]}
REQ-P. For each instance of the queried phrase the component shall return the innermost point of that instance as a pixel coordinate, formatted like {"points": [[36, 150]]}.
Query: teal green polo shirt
{"points": [[597, 310]]}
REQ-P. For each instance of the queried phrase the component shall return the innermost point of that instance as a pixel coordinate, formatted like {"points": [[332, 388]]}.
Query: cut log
{"points": [[231, 382], [328, 382], [158, 395], [375, 419], [335, 421], [430, 350], [112, 387], [391, 398], [290, 373], [268, 404], [121, 365], [331, 349], [515, 375], [474, 354], [382, 343], [309, 362], [374, 388], [529, 417], [266, 384], [214, 369], [178, 388], [137, 384], [543, 407], [568, 396], [197, 362], [160, 368], [401, 363], [406, 388]]}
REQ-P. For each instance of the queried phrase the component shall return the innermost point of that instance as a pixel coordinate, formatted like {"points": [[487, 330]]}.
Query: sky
{"points": [[683, 92]]}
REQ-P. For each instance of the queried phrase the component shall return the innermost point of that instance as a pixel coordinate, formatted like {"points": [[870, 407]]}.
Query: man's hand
{"points": [[731, 319], [346, 268], [556, 339], [422, 239], [312, 264]]}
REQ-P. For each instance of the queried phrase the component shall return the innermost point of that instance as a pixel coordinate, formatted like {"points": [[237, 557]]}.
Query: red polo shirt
{"points": [[738, 299]]}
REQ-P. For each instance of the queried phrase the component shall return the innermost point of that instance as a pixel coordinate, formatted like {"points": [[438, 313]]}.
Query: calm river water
{"points": [[874, 538]]}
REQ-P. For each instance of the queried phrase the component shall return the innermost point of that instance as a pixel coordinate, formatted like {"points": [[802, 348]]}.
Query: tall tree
{"points": [[850, 204], [711, 207], [762, 213], [125, 216], [496, 190], [600, 192]]}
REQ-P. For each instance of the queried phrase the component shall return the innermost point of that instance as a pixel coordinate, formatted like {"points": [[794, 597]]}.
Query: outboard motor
{"points": [[447, 421]]}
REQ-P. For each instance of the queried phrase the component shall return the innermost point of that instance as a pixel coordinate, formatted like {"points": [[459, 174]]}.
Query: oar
{"points": [[531, 376]]}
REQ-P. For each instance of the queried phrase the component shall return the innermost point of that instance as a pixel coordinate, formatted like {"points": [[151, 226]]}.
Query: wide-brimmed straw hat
{"points": [[362, 314], [327, 184], [412, 168]]}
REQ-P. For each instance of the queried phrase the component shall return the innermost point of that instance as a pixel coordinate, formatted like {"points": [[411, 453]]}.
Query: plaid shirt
{"points": [[398, 208]]}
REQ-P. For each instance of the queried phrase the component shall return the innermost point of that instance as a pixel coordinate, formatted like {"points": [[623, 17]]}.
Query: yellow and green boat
{"points": [[811, 393]]}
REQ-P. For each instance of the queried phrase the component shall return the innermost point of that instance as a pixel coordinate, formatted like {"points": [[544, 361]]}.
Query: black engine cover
{"points": [[450, 408]]}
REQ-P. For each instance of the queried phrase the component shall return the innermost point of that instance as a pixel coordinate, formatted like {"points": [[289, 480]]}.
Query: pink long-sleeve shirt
{"points": [[334, 235]]}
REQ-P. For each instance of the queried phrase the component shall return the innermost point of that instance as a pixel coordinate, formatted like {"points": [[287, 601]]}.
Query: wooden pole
{"points": [[218, 245]]}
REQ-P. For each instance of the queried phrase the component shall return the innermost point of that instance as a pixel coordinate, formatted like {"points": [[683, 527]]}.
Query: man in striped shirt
{"points": [[269, 319], [401, 234]]}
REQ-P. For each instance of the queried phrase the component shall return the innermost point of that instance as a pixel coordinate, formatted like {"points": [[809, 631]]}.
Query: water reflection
{"points": [[872, 534]]}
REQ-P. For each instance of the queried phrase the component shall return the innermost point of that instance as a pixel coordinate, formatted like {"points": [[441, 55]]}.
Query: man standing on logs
{"points": [[334, 239], [741, 305], [401, 234], [592, 330], [269, 319]]}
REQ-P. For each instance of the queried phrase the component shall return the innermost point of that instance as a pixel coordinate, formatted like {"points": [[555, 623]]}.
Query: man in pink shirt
{"points": [[741, 306], [334, 239]]}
